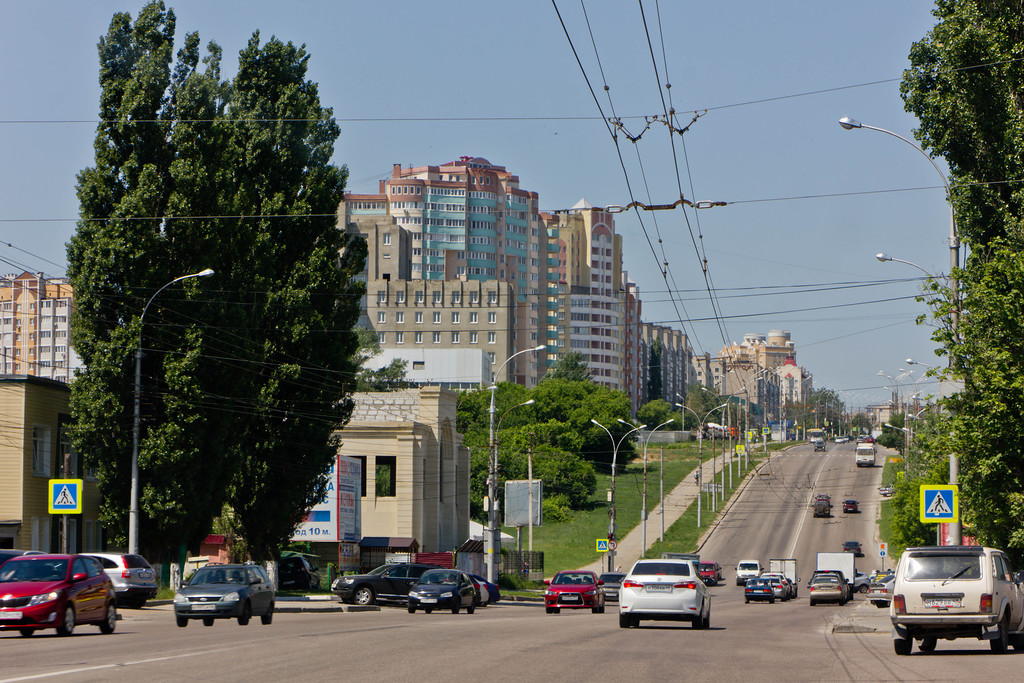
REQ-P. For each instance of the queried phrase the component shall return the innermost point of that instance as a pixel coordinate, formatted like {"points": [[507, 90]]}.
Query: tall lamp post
{"points": [[848, 123], [615, 455], [643, 498], [493, 540], [133, 509], [700, 452]]}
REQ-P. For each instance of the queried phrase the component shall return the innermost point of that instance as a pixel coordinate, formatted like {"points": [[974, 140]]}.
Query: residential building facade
{"points": [[665, 353], [35, 327]]}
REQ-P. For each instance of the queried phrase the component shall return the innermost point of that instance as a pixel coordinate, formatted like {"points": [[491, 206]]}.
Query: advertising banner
{"points": [[337, 516]]}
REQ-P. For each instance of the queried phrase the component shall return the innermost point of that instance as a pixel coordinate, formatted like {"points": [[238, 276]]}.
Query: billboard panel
{"points": [[337, 516], [517, 503]]}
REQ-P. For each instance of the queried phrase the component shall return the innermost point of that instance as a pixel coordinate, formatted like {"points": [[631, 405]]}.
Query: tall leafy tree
{"points": [[654, 382], [246, 375], [966, 85], [572, 366]]}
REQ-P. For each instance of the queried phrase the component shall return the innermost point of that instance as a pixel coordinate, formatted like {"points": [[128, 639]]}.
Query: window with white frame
{"points": [[382, 317], [399, 317], [455, 338], [418, 338], [437, 297], [399, 337], [472, 337], [474, 297], [419, 317], [386, 240], [492, 317], [421, 297], [473, 318], [492, 337], [455, 316], [492, 297], [437, 337], [381, 338], [382, 297], [437, 317], [400, 297]]}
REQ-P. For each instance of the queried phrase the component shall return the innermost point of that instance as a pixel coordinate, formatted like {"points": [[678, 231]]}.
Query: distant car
{"points": [[853, 547], [612, 584], [826, 588], [448, 589], [710, 572], [850, 505], [576, 589], [819, 445], [493, 591], [664, 590], [297, 573], [226, 591], [386, 583], [55, 591], [747, 569], [759, 589], [860, 438], [133, 578], [844, 586], [880, 590], [861, 582], [788, 588], [869, 439], [886, 491]]}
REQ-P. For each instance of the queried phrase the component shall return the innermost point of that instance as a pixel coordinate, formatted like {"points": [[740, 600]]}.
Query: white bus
{"points": [[865, 455]]}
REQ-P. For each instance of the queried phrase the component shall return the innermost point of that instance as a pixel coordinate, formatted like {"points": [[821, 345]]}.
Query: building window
{"points": [[455, 316], [455, 337], [400, 297], [421, 297], [492, 297], [474, 297], [419, 317], [399, 337], [437, 297], [419, 338], [386, 240], [399, 317], [492, 337], [437, 337], [41, 450], [382, 297], [385, 467], [381, 337], [492, 317], [437, 317], [456, 297], [382, 317], [473, 318], [472, 338]]}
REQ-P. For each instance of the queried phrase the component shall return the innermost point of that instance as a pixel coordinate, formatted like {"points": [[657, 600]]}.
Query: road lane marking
{"points": [[100, 667], [803, 517]]}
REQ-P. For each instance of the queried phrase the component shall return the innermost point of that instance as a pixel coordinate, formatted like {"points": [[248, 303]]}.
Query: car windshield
{"points": [[748, 565], [943, 567], [217, 575], [613, 578], [659, 568], [33, 570], [573, 579], [440, 577]]}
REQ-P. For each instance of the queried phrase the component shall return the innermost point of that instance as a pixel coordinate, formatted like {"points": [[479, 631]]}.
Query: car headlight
{"points": [[179, 599], [447, 595], [45, 597], [413, 594], [590, 592], [230, 597], [549, 592]]}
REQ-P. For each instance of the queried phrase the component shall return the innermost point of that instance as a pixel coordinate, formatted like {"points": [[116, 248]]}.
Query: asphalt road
{"points": [[788, 641]]}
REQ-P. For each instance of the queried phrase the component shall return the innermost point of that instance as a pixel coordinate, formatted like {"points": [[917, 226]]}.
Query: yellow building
{"points": [[34, 448]]}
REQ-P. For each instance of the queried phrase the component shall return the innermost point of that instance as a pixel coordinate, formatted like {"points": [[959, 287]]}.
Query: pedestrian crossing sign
{"points": [[602, 545], [939, 503], [65, 496]]}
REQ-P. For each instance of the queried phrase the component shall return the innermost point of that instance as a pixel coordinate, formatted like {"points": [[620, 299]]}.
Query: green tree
{"points": [[894, 437], [390, 377], [572, 366], [657, 411], [654, 381], [247, 375], [965, 86]]}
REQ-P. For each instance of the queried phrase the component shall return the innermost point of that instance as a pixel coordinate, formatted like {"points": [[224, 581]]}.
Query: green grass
{"points": [[568, 545], [889, 473]]}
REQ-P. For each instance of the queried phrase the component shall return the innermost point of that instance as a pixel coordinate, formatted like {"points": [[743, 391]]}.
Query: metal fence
{"points": [[524, 563]]}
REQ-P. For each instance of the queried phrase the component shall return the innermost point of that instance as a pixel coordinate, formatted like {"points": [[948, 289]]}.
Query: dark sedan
{"points": [[853, 547], [759, 589], [612, 584], [225, 591], [443, 589], [386, 583], [574, 590]]}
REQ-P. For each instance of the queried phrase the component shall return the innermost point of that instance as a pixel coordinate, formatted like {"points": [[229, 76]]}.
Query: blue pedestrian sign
{"points": [[65, 496], [939, 503], [602, 545]]}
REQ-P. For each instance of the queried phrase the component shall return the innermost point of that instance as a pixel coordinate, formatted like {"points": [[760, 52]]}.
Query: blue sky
{"points": [[808, 204]]}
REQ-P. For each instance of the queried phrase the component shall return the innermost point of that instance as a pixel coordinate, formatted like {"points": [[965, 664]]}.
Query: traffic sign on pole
{"points": [[882, 549], [939, 503], [603, 545], [65, 496]]}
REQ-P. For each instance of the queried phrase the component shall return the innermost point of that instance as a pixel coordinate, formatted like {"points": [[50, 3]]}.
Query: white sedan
{"points": [[664, 590]]}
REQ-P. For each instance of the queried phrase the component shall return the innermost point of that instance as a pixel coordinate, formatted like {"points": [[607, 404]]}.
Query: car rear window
{"points": [[136, 562], [668, 568], [943, 568]]}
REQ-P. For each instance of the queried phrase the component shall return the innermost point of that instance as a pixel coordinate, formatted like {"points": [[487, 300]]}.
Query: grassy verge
{"points": [[889, 471]]}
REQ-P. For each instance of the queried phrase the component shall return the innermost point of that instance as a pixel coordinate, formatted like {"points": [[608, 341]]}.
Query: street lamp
{"points": [[643, 506], [493, 540], [883, 257], [911, 361], [133, 509], [955, 528], [700, 453], [615, 455], [529, 475]]}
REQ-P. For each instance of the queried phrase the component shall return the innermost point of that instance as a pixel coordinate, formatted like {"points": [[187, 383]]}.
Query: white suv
{"points": [[956, 592], [747, 569], [133, 578]]}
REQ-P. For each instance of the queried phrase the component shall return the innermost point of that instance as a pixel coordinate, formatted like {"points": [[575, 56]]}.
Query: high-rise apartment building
{"points": [[665, 355], [35, 327]]}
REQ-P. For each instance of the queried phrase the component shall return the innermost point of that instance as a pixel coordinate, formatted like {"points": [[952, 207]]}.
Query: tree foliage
{"points": [[653, 413], [654, 372], [572, 366], [246, 375], [966, 86]]}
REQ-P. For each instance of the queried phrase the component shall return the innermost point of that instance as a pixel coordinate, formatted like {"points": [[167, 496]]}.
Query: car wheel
{"points": [[771, 600], [428, 610], [363, 596], [471, 609], [556, 610], [902, 646], [412, 608], [138, 604], [243, 618], [27, 632], [813, 603], [1017, 642], [862, 589], [707, 619], [456, 607], [549, 610], [747, 601], [207, 621], [595, 609], [181, 621], [625, 621], [1002, 643], [67, 627], [108, 624], [927, 644], [268, 618]]}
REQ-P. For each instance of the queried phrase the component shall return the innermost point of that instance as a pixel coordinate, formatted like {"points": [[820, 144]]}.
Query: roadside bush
{"points": [[557, 508]]}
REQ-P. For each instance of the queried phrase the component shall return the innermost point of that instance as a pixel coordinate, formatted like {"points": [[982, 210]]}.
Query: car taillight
{"points": [[125, 573], [632, 584], [900, 604], [986, 603], [686, 584]]}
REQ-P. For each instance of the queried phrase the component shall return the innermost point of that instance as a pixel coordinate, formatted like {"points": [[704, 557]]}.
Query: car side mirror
{"points": [[600, 582], [79, 577], [547, 582]]}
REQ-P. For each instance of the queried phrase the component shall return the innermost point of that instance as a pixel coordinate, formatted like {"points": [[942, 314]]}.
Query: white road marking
{"points": [[100, 667]]}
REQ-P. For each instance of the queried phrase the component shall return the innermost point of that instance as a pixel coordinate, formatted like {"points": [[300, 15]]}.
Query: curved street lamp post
{"points": [[615, 454], [643, 506], [133, 509], [700, 452]]}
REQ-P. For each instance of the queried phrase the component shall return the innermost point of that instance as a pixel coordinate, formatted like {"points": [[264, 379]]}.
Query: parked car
{"points": [[747, 569], [297, 573], [612, 584], [850, 505], [226, 591], [8, 553], [853, 547], [493, 591], [759, 589], [387, 583], [880, 590], [886, 491], [133, 578], [574, 590], [826, 588], [710, 572], [956, 592], [443, 589], [55, 591], [664, 590], [483, 595]]}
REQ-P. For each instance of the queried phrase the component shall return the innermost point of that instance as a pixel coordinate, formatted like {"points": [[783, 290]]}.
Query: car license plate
{"points": [[570, 597], [942, 602], [428, 600], [10, 615], [146, 575], [658, 588], [204, 608]]}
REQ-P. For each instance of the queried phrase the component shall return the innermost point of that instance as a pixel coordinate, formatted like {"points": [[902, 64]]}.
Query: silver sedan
{"points": [[664, 590]]}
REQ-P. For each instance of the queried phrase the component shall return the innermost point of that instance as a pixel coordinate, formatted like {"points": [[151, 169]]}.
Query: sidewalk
{"points": [[676, 502]]}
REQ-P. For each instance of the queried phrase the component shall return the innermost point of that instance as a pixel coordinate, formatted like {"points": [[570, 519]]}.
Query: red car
{"points": [[710, 573], [850, 505], [869, 439], [56, 591], [574, 590]]}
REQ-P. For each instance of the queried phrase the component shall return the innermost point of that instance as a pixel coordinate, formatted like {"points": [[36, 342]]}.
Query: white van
{"points": [[865, 455]]}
